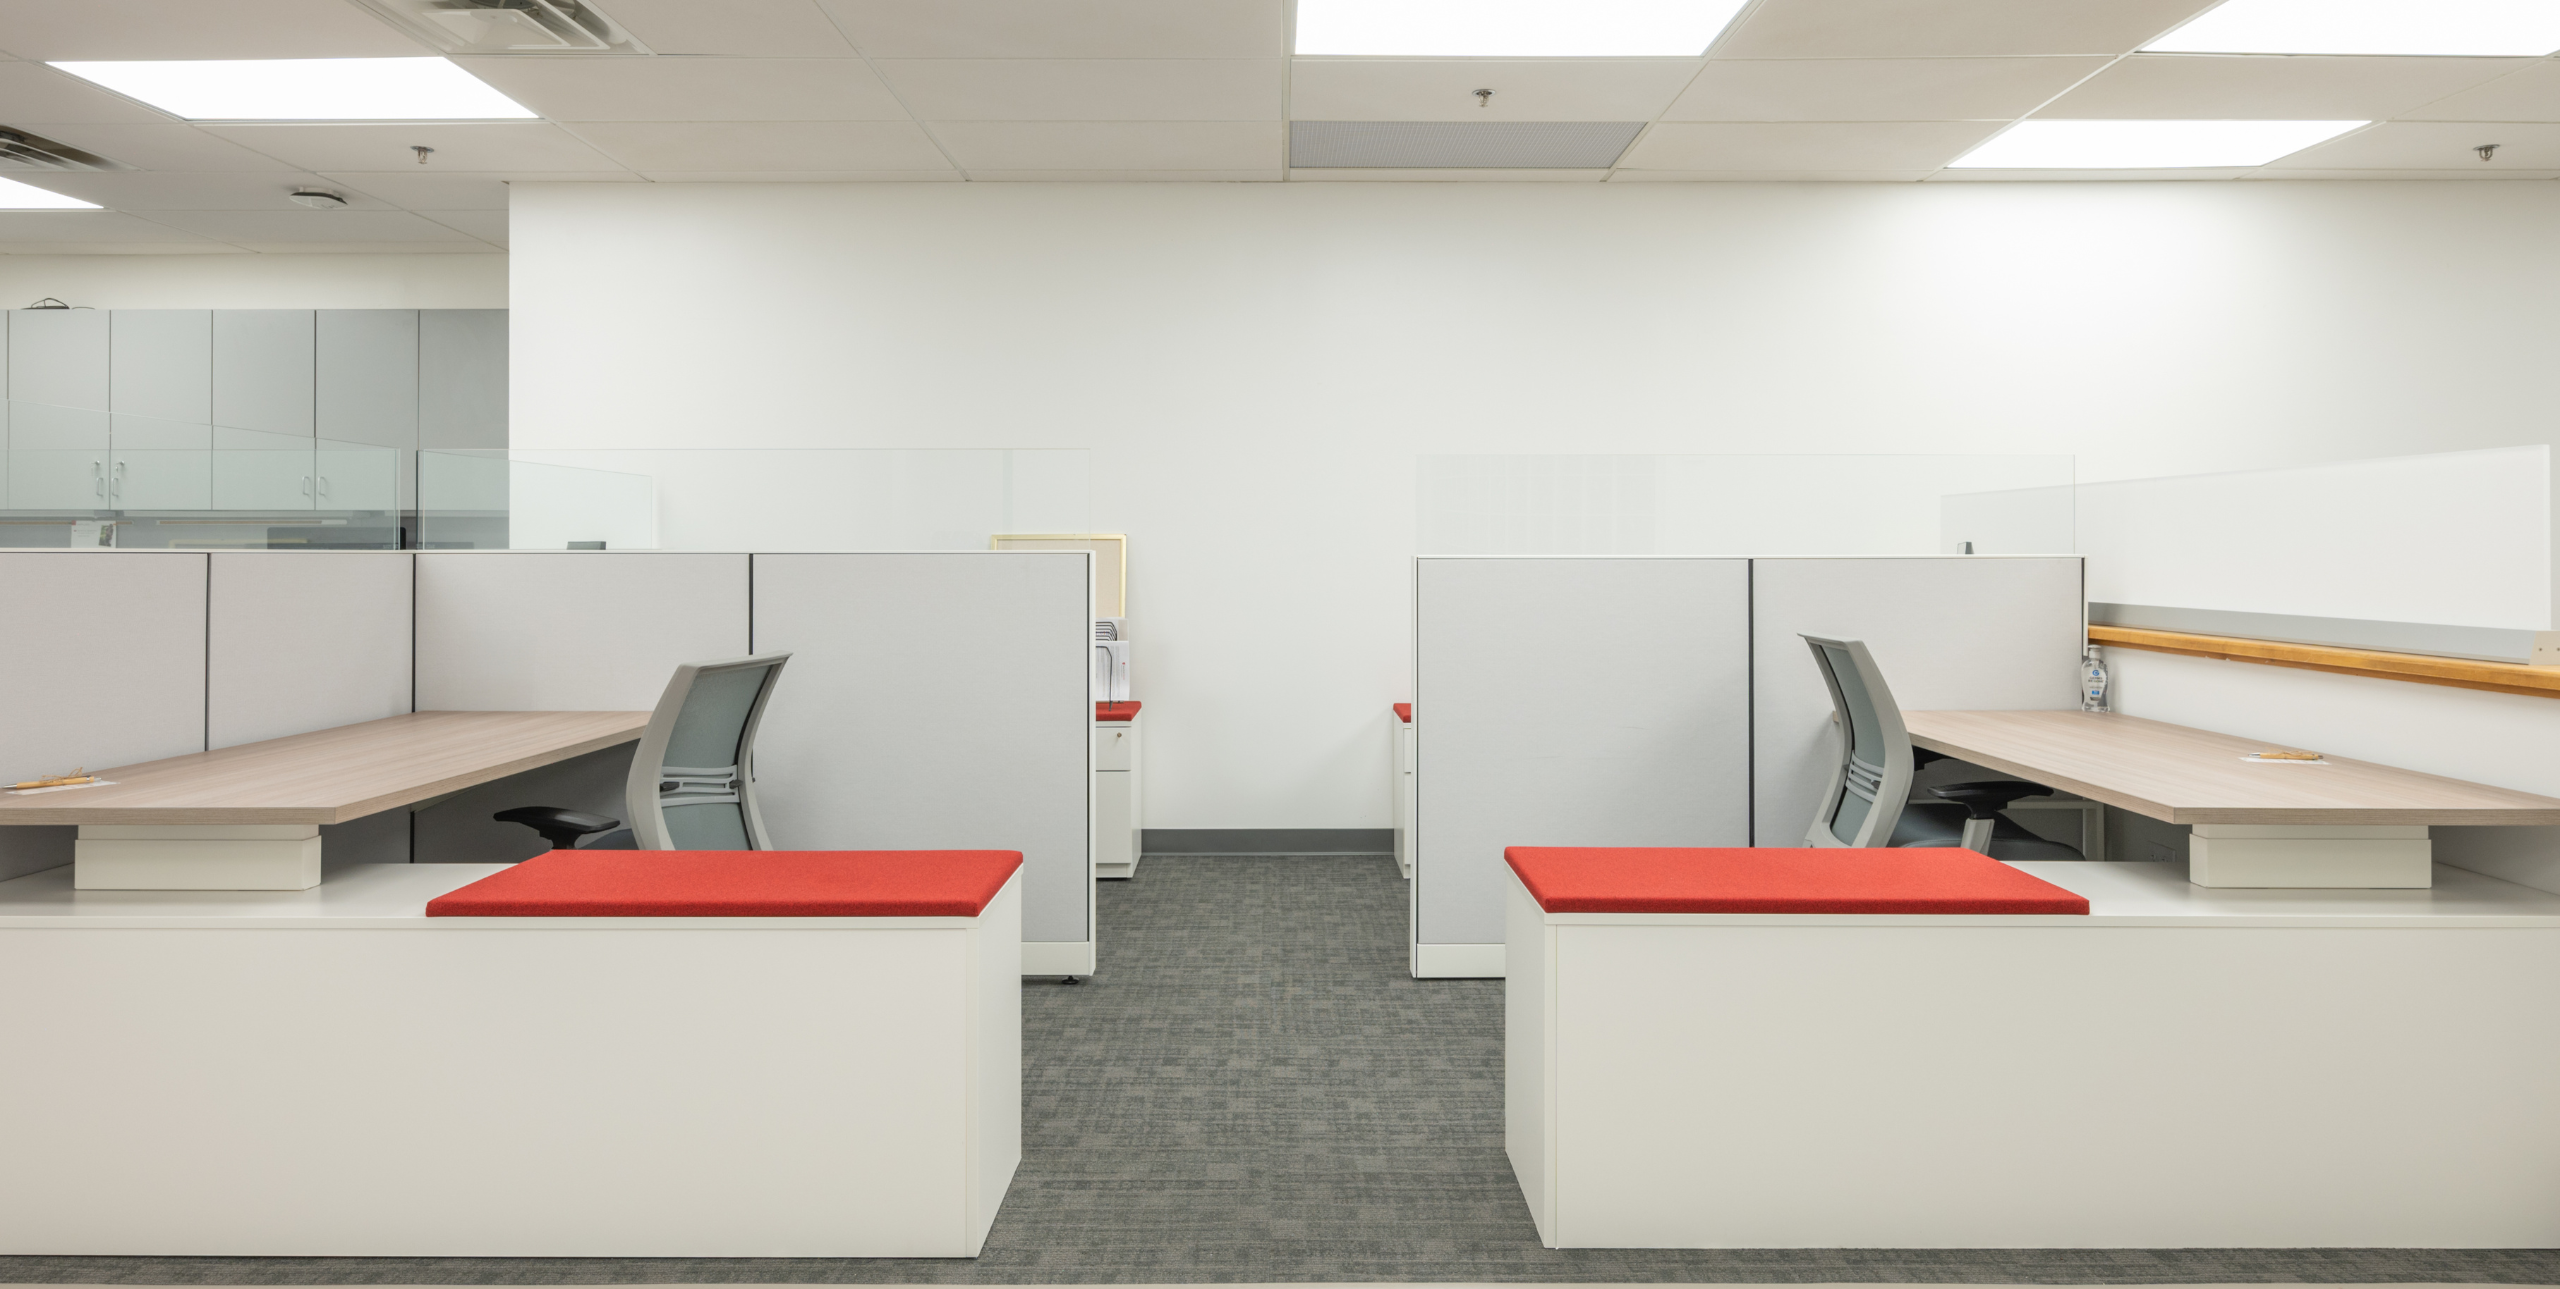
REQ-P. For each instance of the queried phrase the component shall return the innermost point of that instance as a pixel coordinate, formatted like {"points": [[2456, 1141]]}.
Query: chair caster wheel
{"points": [[1072, 980]]}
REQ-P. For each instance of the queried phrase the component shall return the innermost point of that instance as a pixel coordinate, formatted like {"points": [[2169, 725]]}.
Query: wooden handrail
{"points": [[2424, 669]]}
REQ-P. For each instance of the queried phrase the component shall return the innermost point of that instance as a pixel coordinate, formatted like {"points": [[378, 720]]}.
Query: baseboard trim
{"points": [[1269, 841], [1459, 961], [1057, 957]]}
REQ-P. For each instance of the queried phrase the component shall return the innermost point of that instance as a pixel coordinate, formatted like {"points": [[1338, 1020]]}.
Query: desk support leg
{"points": [[2313, 855], [196, 857]]}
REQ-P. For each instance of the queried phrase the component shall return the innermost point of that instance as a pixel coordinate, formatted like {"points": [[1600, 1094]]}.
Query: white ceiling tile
{"points": [[2529, 95], [2259, 87], [146, 190], [1111, 145], [766, 145], [35, 92], [1524, 89], [2488, 174], [1271, 175], [1088, 89], [2435, 145], [692, 89], [1061, 28], [244, 226], [944, 175], [113, 29], [1877, 89], [1769, 176], [492, 145], [2194, 173], [1447, 176], [158, 147], [97, 226], [740, 28], [1805, 145], [413, 189], [487, 225], [1950, 28]]}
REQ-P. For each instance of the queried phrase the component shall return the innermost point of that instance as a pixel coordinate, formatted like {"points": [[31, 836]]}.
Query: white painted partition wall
{"points": [[1951, 633], [1667, 701], [938, 701], [1569, 701]]}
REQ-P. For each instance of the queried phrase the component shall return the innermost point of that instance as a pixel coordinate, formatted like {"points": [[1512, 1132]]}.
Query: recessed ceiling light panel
{"points": [[508, 26], [1513, 28], [2443, 28], [18, 196], [306, 89], [2146, 145]]}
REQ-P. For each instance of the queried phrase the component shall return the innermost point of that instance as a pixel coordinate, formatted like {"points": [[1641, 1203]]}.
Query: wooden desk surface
{"points": [[330, 776], [2190, 776]]}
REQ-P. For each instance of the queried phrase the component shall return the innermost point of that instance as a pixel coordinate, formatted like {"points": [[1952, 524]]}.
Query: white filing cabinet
{"points": [[1116, 818], [1400, 786]]}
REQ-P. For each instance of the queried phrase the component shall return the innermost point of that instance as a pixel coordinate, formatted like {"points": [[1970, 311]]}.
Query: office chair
{"points": [[692, 784], [1866, 804]]}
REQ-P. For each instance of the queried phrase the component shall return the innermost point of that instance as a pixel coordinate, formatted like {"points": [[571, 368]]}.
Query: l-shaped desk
{"points": [[2329, 823], [248, 818]]}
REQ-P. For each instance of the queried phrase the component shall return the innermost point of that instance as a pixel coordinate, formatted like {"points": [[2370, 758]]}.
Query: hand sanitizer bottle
{"points": [[2093, 682]]}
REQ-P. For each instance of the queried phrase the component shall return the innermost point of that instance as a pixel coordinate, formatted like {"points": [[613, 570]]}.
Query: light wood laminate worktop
{"points": [[2191, 776], [330, 776]]}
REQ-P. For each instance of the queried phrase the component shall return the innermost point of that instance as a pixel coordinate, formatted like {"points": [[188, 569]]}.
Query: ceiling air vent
{"points": [[1459, 145], [508, 26], [20, 150]]}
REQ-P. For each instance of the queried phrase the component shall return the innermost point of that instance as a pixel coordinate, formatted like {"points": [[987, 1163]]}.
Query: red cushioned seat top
{"points": [[1115, 711], [1404, 712], [737, 884], [1778, 880]]}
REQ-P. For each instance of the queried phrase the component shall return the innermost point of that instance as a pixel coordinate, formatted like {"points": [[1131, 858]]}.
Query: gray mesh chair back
{"points": [[1873, 778], [692, 784]]}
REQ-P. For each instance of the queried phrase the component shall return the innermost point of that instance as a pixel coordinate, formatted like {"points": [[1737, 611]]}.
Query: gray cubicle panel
{"points": [[104, 655], [938, 701], [553, 631], [1569, 701], [1953, 632]]}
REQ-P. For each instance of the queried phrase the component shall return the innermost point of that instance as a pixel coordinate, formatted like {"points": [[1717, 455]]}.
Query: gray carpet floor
{"points": [[1251, 1088]]}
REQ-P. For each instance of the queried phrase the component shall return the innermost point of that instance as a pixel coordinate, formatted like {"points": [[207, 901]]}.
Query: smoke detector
{"points": [[508, 26], [20, 150], [319, 199]]}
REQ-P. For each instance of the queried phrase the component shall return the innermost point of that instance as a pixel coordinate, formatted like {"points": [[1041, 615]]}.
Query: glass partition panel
{"points": [[1740, 505], [781, 499]]}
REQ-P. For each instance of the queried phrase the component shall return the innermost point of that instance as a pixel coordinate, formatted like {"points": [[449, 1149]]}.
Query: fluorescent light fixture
{"points": [[306, 89], [2443, 28], [2146, 145], [18, 196], [1513, 28]]}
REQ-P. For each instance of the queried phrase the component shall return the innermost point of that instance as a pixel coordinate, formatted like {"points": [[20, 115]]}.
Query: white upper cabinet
{"points": [[262, 369], [58, 357], [368, 376], [161, 364]]}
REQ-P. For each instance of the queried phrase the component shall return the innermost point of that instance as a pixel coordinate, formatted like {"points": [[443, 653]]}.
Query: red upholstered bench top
{"points": [[737, 884], [1776, 880], [1404, 712], [1116, 712]]}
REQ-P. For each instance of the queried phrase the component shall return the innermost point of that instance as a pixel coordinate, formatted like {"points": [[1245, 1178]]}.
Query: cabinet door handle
{"points": [[324, 485], [306, 485], [115, 486]]}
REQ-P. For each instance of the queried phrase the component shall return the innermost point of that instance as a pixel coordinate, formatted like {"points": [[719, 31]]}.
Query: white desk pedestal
{"points": [[196, 857], [2310, 855]]}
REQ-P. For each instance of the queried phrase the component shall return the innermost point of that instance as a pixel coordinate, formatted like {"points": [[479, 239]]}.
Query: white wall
{"points": [[245, 281], [1256, 367]]}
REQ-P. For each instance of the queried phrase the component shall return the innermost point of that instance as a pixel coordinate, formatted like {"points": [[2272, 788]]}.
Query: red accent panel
{"points": [[737, 884], [1776, 880], [1404, 712], [1115, 711]]}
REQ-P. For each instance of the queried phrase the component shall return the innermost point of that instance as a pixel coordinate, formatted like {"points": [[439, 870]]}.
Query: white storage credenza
{"points": [[1119, 819], [330, 1072], [2184, 1067]]}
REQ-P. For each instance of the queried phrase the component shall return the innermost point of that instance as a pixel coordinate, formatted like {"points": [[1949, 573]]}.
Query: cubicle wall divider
{"points": [[933, 701], [1667, 701]]}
